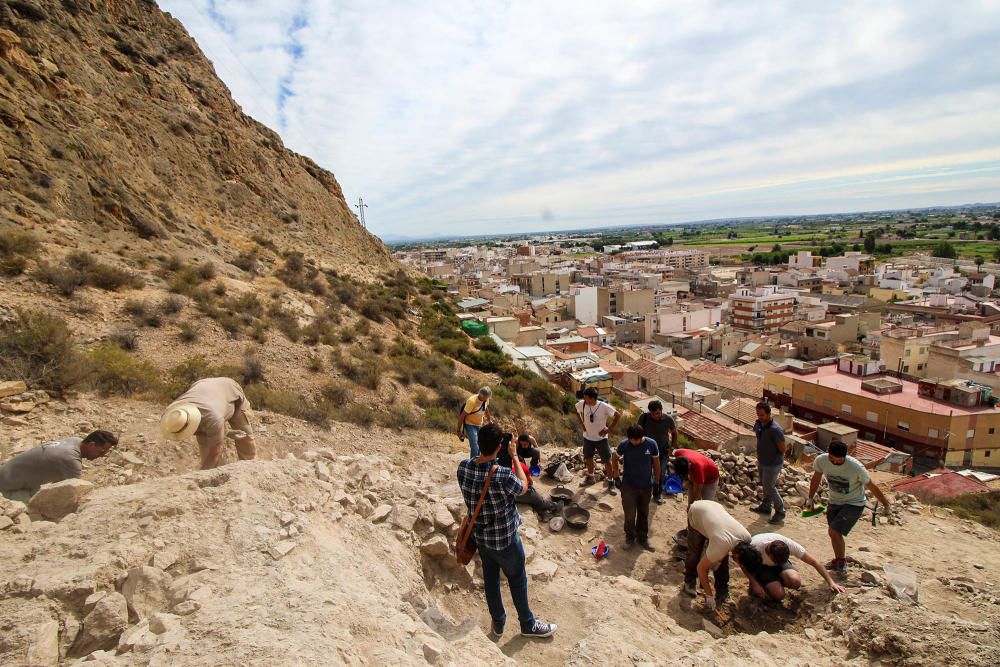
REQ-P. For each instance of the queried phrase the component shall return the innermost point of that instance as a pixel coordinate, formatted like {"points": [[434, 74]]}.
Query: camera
{"points": [[506, 439]]}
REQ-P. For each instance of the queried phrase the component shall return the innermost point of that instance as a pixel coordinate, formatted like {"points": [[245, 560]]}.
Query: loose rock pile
{"points": [[16, 400]]}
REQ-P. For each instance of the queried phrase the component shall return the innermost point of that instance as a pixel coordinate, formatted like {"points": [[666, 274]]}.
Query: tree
{"points": [[996, 255], [776, 248], [979, 262], [870, 239], [944, 249]]}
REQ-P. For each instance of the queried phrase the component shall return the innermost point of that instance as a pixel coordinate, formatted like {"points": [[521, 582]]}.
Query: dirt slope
{"points": [[116, 134], [367, 580]]}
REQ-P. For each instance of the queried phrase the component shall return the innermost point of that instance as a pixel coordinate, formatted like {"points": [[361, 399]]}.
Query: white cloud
{"points": [[446, 116]]}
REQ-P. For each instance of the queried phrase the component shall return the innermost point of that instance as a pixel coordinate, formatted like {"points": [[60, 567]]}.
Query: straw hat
{"points": [[180, 421]]}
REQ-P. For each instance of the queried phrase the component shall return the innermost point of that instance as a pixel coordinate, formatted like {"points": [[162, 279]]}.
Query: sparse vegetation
{"points": [[110, 370], [981, 507], [16, 248], [38, 348], [80, 268]]}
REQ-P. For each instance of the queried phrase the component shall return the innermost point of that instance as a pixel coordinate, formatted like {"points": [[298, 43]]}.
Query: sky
{"points": [[485, 117]]}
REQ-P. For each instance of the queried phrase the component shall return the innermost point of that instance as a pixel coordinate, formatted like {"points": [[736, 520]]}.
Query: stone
{"points": [[286, 518], [404, 517], [132, 459], [810, 634], [12, 388], [870, 577], [138, 639], [161, 622], [5, 522], [56, 500], [147, 590], [322, 471], [711, 628], [436, 547], [432, 652], [979, 566], [187, 607], [164, 558], [102, 626], [12, 508], [364, 507], [44, 648], [281, 549], [93, 599], [542, 569], [380, 513], [17, 406], [310, 456], [443, 518], [343, 498]]}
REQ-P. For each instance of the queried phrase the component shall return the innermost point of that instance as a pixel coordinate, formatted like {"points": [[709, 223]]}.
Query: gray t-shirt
{"points": [[51, 462], [847, 481]]}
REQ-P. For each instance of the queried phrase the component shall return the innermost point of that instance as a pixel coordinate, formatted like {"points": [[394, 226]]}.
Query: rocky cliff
{"points": [[117, 135]]}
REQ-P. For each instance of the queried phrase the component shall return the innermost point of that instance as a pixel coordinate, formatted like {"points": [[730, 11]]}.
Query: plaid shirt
{"points": [[498, 519]]}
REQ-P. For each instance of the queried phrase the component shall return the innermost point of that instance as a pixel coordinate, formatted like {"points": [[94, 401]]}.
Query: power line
{"points": [[361, 206]]}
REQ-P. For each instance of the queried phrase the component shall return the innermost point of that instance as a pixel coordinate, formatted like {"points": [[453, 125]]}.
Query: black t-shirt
{"points": [[658, 430]]}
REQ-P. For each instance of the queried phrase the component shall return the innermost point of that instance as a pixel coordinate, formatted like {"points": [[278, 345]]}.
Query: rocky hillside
{"points": [[116, 136]]}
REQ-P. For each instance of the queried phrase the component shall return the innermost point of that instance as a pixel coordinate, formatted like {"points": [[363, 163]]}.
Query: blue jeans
{"points": [[769, 480], [511, 561], [472, 433]]}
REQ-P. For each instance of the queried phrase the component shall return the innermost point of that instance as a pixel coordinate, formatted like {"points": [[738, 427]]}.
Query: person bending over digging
{"points": [[769, 570], [699, 471], [202, 411], [848, 480], [594, 415], [712, 534], [23, 474]]}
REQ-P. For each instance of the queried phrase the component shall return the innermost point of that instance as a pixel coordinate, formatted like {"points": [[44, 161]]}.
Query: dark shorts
{"points": [[843, 517], [601, 447], [771, 573]]}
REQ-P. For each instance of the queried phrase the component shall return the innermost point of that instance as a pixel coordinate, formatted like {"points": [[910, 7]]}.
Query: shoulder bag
{"points": [[465, 545]]}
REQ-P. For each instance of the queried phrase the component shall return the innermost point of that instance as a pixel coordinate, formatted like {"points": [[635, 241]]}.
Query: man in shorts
{"points": [[594, 415], [848, 480], [774, 572]]}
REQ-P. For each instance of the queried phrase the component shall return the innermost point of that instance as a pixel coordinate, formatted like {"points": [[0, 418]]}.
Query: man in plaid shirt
{"points": [[496, 526]]}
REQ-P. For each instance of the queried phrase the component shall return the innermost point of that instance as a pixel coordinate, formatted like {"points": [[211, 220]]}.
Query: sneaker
{"points": [[689, 589], [646, 545], [611, 488], [496, 629], [836, 565], [588, 481], [761, 509], [660, 500], [779, 517], [629, 543], [540, 629]]}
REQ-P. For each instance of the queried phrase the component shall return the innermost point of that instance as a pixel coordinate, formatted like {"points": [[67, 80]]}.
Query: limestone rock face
{"points": [[103, 625]]}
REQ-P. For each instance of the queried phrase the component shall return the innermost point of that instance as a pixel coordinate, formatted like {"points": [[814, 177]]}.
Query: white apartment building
{"points": [[761, 311]]}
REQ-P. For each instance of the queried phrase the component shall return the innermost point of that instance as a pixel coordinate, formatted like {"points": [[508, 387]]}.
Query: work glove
{"points": [[709, 603]]}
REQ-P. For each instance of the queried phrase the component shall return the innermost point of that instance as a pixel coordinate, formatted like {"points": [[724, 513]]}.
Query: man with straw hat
{"points": [[202, 411]]}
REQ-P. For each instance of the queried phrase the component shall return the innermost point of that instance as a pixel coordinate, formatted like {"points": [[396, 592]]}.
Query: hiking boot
{"points": [[761, 509], [629, 543], [838, 565], [496, 629], [646, 545], [689, 589], [588, 481], [540, 629], [779, 517], [618, 482]]}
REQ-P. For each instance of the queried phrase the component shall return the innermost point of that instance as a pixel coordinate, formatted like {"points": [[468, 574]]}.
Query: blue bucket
{"points": [[535, 470], [672, 485]]}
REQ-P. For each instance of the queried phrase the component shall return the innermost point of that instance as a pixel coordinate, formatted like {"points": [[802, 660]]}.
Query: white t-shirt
{"points": [[761, 541], [722, 531], [602, 414]]}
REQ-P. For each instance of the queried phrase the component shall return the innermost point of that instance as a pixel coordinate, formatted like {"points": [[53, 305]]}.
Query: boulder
{"points": [[54, 501], [404, 517], [5, 522], [147, 590], [281, 549], [16, 405], [322, 471], [443, 518], [12, 388], [432, 652], [102, 626], [44, 648], [138, 639], [436, 547], [364, 507], [542, 569], [381, 512]]}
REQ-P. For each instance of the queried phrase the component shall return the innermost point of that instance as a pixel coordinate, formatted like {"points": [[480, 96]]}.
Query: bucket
{"points": [[672, 485], [561, 494], [535, 470], [576, 516]]}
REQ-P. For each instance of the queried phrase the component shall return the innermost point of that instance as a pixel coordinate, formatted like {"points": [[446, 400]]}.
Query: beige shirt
{"points": [[217, 399], [722, 531]]}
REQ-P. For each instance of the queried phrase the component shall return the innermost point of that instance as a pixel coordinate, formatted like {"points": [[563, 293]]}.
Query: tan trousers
{"points": [[211, 449]]}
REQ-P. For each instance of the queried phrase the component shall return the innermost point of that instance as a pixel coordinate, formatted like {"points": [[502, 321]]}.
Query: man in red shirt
{"points": [[700, 472]]}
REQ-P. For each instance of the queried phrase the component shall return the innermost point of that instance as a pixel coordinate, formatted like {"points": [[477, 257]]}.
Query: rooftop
{"points": [[908, 398], [703, 427], [940, 483]]}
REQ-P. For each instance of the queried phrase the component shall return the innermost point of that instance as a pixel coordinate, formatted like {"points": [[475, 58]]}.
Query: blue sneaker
{"points": [[540, 629], [496, 629]]}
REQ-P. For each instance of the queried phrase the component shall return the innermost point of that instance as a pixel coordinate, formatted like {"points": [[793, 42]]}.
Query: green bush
{"points": [[252, 369], [439, 418], [172, 304], [357, 413], [286, 403], [37, 347], [13, 265], [981, 507], [16, 247], [111, 370], [366, 372], [187, 332], [79, 268], [127, 338]]}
